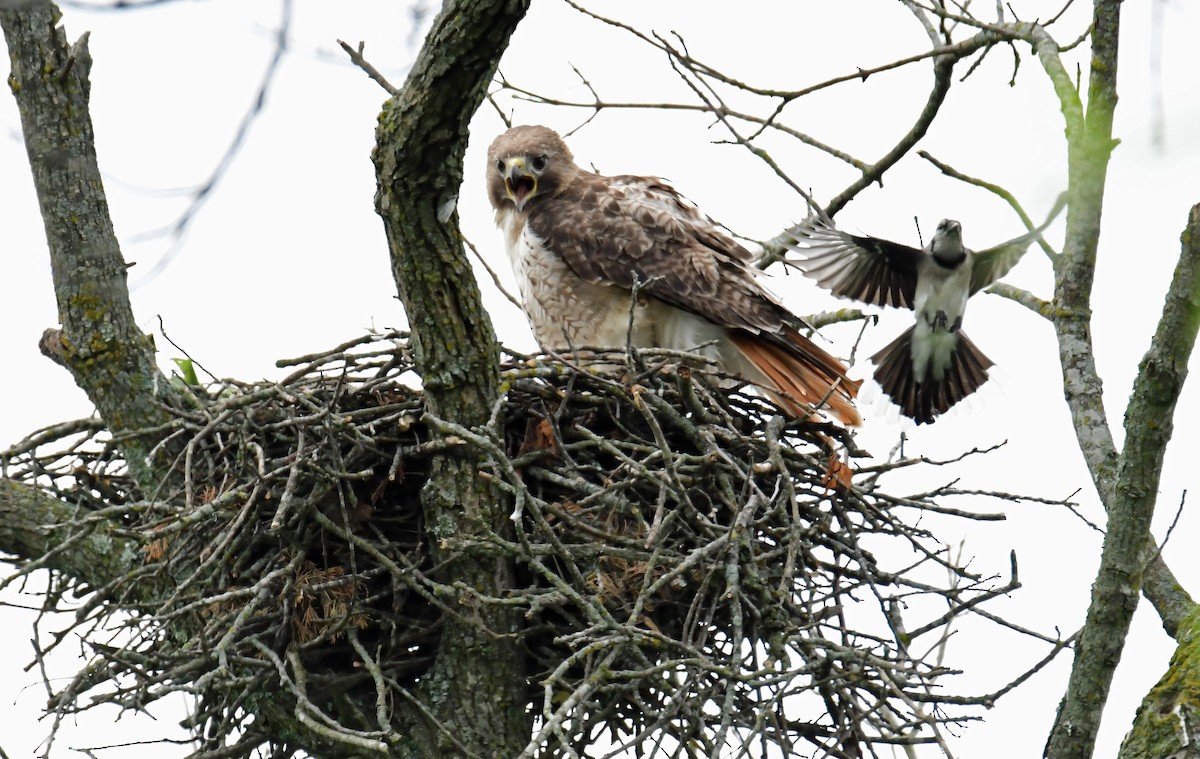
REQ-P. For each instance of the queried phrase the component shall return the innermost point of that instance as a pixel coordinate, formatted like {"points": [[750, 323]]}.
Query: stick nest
{"points": [[688, 574]]}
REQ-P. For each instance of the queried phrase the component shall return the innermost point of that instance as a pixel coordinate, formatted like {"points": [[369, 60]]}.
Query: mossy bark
{"points": [[30, 528], [476, 693], [473, 702], [99, 342], [1168, 720]]}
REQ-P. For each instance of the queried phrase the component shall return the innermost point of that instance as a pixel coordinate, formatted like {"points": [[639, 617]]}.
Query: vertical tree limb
{"points": [[1168, 719], [1149, 421], [1074, 269], [1090, 142], [1127, 482], [100, 343], [476, 693]]}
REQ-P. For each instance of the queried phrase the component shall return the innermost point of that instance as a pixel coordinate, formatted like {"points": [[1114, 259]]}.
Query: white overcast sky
{"points": [[288, 256]]}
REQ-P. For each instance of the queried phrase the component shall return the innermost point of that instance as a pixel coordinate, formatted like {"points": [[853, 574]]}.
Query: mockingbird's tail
{"points": [[924, 401]]}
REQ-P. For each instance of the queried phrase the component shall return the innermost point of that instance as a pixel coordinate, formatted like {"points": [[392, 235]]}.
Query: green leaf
{"points": [[187, 370]]}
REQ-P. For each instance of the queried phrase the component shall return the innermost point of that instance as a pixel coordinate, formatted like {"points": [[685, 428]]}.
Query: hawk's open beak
{"points": [[519, 184]]}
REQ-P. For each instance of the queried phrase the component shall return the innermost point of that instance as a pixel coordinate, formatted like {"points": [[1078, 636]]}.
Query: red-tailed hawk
{"points": [[579, 242]]}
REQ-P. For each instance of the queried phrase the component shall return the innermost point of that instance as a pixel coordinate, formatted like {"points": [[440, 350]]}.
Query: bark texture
{"points": [[1089, 143], [29, 528], [1127, 482], [1168, 720], [99, 342], [476, 694], [473, 703]]}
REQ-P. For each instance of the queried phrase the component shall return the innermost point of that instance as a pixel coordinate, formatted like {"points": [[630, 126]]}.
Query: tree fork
{"points": [[1127, 482]]}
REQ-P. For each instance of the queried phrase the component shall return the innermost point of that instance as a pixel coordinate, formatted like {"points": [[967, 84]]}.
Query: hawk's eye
{"points": [[539, 163], [500, 166]]}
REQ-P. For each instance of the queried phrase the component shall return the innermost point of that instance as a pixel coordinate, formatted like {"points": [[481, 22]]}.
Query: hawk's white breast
{"points": [[563, 310]]}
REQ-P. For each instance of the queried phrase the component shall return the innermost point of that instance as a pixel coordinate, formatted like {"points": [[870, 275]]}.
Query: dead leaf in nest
{"points": [[390, 395], [224, 606], [320, 605], [360, 515], [539, 436], [636, 391], [601, 585], [838, 474], [570, 507], [156, 549]]}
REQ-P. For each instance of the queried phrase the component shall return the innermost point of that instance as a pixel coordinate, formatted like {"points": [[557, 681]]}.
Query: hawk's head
{"points": [[526, 162]]}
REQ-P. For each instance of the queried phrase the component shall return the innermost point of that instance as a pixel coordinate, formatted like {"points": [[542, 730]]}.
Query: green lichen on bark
{"points": [[99, 342], [1168, 721], [1126, 481], [32, 527]]}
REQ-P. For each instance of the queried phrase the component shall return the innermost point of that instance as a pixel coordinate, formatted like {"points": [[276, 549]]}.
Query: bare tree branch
{"points": [[176, 231], [1042, 308], [356, 55], [995, 189], [1149, 422], [32, 529]]}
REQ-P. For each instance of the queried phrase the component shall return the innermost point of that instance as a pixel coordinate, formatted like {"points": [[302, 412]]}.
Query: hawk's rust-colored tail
{"points": [[803, 373]]}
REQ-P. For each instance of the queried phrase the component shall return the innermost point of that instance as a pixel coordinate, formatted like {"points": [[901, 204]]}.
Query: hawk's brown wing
{"points": [[627, 230], [622, 230]]}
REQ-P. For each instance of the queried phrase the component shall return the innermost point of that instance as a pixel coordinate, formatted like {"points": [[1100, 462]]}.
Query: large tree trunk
{"points": [[473, 702], [1168, 719], [476, 693]]}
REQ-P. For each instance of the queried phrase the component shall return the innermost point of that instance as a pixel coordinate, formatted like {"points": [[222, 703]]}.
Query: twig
{"points": [[356, 55]]}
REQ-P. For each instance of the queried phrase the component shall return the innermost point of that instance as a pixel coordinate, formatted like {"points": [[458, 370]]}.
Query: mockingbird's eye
{"points": [[539, 163]]}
